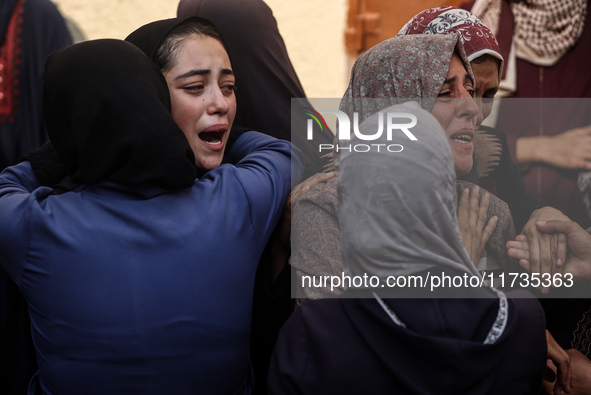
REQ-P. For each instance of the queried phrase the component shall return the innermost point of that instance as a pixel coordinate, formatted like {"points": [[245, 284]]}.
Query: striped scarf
{"points": [[544, 29]]}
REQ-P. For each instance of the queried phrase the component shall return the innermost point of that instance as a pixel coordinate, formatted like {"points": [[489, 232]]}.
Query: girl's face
{"points": [[201, 84], [456, 111]]}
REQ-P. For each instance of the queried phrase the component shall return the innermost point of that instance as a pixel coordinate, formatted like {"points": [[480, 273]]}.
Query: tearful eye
{"points": [[193, 88], [229, 89], [444, 96]]}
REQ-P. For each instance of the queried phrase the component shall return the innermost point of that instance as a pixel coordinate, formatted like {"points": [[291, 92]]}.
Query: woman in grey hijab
{"points": [[475, 342], [409, 68]]}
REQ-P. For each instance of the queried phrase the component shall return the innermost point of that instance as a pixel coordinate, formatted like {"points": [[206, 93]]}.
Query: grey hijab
{"points": [[400, 69], [397, 70], [397, 211]]}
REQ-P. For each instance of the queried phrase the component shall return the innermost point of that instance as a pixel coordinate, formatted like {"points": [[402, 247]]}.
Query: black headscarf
{"points": [[107, 110], [149, 37]]}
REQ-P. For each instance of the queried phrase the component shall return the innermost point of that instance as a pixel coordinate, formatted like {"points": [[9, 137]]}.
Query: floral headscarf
{"points": [[477, 38], [400, 69]]}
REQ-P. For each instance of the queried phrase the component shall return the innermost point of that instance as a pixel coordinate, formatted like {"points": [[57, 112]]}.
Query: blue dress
{"points": [[144, 290]]}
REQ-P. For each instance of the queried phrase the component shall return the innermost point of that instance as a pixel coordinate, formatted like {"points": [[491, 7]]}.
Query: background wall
{"points": [[312, 30]]}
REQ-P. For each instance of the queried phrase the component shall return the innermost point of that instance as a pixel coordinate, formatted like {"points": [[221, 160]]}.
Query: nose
{"points": [[469, 109], [218, 103]]}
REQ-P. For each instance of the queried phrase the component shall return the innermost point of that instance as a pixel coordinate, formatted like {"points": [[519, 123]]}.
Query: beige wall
{"points": [[312, 30]]}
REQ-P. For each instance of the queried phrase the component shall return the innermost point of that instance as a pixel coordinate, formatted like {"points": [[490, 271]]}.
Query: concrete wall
{"points": [[312, 30]]}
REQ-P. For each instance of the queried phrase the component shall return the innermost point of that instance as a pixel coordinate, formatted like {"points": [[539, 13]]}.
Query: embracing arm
{"points": [[264, 167]]}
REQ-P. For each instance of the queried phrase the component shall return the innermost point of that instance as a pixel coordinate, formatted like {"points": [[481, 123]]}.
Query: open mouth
{"points": [[212, 138], [462, 138]]}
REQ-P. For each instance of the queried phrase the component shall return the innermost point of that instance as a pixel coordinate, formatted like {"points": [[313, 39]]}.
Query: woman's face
{"points": [[201, 84], [486, 74], [456, 111]]}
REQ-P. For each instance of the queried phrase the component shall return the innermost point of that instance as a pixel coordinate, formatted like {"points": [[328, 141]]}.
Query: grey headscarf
{"points": [[397, 211], [400, 69], [397, 70]]}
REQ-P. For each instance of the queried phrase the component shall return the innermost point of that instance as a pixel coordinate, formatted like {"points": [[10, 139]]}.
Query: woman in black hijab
{"points": [[263, 98], [138, 279]]}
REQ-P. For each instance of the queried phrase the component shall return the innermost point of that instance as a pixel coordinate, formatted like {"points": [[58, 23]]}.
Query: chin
{"points": [[463, 169], [209, 164]]}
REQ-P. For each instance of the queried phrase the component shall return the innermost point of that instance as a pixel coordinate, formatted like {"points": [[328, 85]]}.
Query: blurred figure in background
{"points": [[546, 50], [29, 31]]}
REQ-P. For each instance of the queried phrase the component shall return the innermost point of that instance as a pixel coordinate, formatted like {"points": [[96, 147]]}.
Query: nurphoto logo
{"points": [[395, 123]]}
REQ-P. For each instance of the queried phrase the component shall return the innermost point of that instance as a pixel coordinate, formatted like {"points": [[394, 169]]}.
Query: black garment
{"points": [[498, 174], [265, 76], [272, 306], [17, 352], [352, 346], [123, 132], [149, 37]]}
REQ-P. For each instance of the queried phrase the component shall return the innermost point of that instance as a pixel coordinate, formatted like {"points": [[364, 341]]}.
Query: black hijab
{"points": [[149, 37], [107, 110]]}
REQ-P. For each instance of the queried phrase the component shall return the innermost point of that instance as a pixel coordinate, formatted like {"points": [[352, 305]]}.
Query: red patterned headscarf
{"points": [[477, 38]]}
